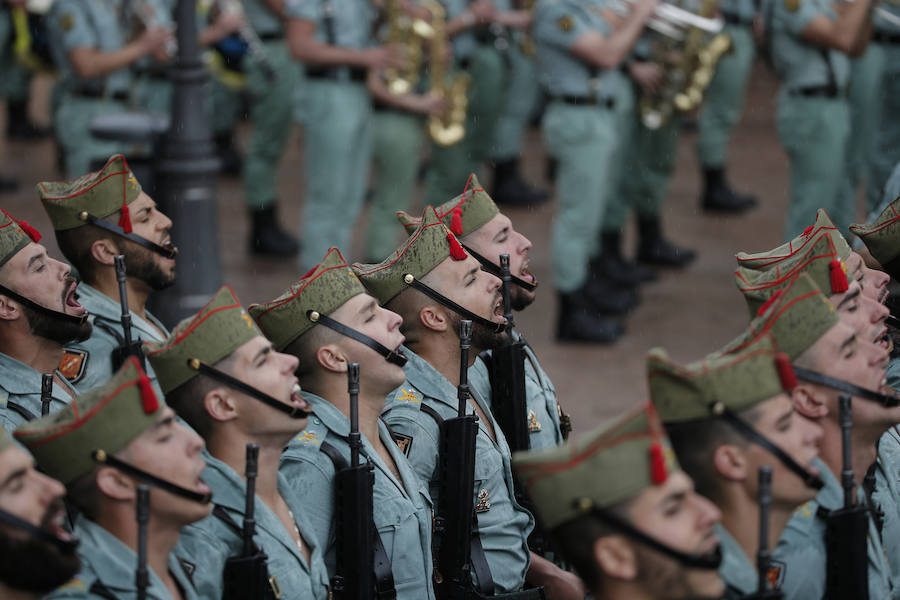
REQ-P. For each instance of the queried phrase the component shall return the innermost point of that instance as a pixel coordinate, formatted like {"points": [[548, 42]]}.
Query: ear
{"points": [[730, 462], [220, 405], [104, 251], [615, 557], [809, 401], [9, 309], [331, 358], [434, 318], [114, 484]]}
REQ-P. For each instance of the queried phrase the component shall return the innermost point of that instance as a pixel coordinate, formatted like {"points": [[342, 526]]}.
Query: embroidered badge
{"points": [[306, 436], [533, 424], [484, 504], [73, 364], [409, 396], [67, 22], [404, 442], [775, 574], [73, 584], [565, 23], [188, 567], [792, 5]]}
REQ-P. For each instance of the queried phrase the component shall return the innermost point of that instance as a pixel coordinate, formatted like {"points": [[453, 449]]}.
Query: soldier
{"points": [[38, 314], [648, 536], [885, 152], [483, 229], [16, 85], [328, 321], [882, 235], [102, 447], [38, 554], [450, 286], [97, 217], [224, 378], [86, 38], [722, 449]]}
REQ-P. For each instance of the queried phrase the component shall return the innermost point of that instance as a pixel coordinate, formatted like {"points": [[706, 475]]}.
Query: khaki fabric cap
{"points": [[796, 317], [106, 418], [820, 261], [324, 289], [220, 328], [14, 235], [599, 469], [736, 381], [101, 194], [464, 214], [425, 249], [766, 260], [882, 237]]}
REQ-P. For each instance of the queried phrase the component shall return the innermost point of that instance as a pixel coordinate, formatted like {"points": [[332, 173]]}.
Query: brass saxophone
{"points": [[410, 34], [449, 127]]}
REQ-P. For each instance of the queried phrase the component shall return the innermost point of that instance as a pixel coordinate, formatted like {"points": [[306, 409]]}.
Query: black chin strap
{"points": [[290, 410], [116, 230], [12, 520], [103, 458], [41, 308], [465, 313], [708, 561], [495, 270], [392, 356], [810, 479], [846, 387]]}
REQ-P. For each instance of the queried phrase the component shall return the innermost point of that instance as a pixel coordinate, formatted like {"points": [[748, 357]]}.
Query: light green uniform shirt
{"points": [[210, 542], [402, 509], [105, 559], [465, 42], [20, 386], [802, 546], [351, 20], [736, 570], [503, 525], [887, 491], [261, 18], [799, 63]]}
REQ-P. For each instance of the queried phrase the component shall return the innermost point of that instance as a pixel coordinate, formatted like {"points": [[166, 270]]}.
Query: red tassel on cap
{"points": [[808, 231], [30, 231], [148, 396], [456, 220], [785, 371], [768, 303], [658, 472], [456, 250], [838, 277], [125, 219]]}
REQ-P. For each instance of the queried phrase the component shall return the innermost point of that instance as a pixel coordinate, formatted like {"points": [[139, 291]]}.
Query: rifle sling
{"points": [[104, 458], [391, 356], [384, 576], [846, 387], [221, 513], [292, 411], [21, 410], [132, 237], [458, 309], [41, 308]]}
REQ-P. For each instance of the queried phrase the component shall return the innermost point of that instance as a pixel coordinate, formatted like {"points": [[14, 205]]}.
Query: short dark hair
{"points": [[187, 399], [75, 245]]}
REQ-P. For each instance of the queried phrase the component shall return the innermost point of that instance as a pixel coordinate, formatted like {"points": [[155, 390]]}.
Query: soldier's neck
{"points": [[442, 352], [370, 407], [232, 450], [740, 518], [39, 353], [137, 291], [9, 593]]}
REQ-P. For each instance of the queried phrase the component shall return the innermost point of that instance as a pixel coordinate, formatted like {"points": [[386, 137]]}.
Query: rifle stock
{"points": [[141, 574], [128, 346], [46, 393]]}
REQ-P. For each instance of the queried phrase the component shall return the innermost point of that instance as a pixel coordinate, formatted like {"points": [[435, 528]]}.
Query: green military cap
{"points": [[796, 317], [425, 249], [882, 237], [106, 418], [220, 328], [763, 261], [700, 390], [14, 235], [820, 261], [599, 469], [463, 214], [324, 289], [100, 194]]}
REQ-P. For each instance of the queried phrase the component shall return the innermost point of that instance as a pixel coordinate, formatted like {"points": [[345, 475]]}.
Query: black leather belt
{"points": [[121, 96], [886, 38], [609, 103], [817, 91], [736, 19], [269, 37], [335, 73]]}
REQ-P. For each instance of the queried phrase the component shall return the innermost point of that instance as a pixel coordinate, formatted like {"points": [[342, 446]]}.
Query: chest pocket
{"points": [[398, 527]]}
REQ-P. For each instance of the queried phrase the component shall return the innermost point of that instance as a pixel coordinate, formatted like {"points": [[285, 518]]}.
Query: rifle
{"points": [[141, 574], [246, 577], [764, 496], [46, 393], [128, 347], [355, 569], [846, 529]]}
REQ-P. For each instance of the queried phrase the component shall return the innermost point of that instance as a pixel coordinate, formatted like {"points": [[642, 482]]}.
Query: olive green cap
{"points": [[464, 214], [820, 261], [735, 381], [763, 261], [106, 418], [796, 317], [324, 289], [220, 328], [100, 194], [14, 235], [882, 237], [599, 469], [425, 249]]}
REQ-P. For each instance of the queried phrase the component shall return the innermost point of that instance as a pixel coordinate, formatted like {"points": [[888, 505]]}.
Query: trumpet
{"points": [[673, 21]]}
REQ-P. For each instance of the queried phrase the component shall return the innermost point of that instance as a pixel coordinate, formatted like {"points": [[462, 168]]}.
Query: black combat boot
{"points": [[653, 249], [609, 297], [266, 237], [718, 196], [19, 126], [230, 160], [612, 265], [8, 184], [509, 188], [578, 321]]}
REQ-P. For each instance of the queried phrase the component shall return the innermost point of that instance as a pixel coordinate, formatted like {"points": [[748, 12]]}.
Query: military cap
{"points": [[702, 389], [220, 328], [763, 261], [796, 317], [100, 194], [464, 214], [820, 261], [425, 249], [882, 237], [324, 289], [599, 469], [14, 235], [106, 418]]}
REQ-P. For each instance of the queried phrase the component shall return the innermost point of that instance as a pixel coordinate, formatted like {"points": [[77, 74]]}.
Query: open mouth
{"points": [[70, 301], [498, 309], [526, 275], [55, 523], [883, 339], [297, 398], [201, 487]]}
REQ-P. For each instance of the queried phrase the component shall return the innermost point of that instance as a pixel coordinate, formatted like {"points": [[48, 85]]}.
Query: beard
{"points": [[56, 328], [33, 565], [142, 265], [483, 338], [519, 299], [667, 577]]}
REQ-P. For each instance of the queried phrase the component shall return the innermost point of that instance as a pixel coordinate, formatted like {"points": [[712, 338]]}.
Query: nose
{"points": [[493, 282], [53, 490], [524, 244], [879, 278], [708, 514], [880, 312], [290, 363], [394, 320], [195, 443], [62, 268], [165, 222], [815, 433]]}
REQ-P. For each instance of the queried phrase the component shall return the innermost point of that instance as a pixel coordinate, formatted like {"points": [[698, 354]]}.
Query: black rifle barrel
{"points": [[845, 417], [121, 277], [465, 342], [354, 440], [764, 497], [250, 472], [506, 279], [142, 575], [46, 393]]}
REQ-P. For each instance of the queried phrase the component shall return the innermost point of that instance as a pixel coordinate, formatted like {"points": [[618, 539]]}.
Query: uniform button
{"points": [[316, 421]]}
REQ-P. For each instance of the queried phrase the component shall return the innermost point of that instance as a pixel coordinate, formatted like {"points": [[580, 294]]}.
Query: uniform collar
{"points": [[20, 379], [736, 569], [99, 304], [427, 380]]}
